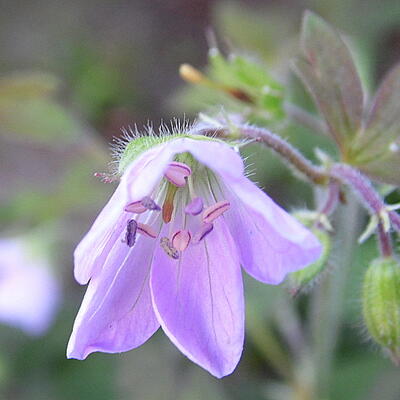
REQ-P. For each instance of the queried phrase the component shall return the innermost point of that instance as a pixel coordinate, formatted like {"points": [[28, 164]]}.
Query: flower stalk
{"points": [[385, 242], [315, 174], [360, 185]]}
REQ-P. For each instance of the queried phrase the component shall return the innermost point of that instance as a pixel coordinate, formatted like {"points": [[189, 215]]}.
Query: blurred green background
{"points": [[72, 75]]}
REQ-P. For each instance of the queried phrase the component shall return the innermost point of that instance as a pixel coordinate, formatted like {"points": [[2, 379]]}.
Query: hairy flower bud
{"points": [[381, 304], [302, 278]]}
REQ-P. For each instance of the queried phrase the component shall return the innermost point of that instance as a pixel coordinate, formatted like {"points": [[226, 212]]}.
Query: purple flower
{"points": [[29, 293], [178, 264]]}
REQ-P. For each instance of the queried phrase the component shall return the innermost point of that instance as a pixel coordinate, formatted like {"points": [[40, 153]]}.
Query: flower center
{"points": [[181, 207]]}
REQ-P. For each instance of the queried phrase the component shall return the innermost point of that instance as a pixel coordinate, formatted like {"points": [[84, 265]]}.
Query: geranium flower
{"points": [[29, 292], [167, 249]]}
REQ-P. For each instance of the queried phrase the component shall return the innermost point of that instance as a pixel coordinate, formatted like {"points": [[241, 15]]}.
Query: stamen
{"points": [[204, 230], [177, 173], [168, 248], [181, 239], [150, 204], [135, 207], [146, 230], [140, 206], [214, 211], [195, 207], [130, 236], [168, 206]]}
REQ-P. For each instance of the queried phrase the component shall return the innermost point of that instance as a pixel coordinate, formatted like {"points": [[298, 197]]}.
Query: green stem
{"points": [[328, 299]]}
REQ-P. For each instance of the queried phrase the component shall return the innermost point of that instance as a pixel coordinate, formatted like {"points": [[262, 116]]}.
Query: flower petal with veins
{"points": [[199, 304], [192, 286]]}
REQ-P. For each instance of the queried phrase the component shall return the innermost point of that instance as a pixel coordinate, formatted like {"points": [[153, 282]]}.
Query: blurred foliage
{"points": [[245, 84], [29, 113]]}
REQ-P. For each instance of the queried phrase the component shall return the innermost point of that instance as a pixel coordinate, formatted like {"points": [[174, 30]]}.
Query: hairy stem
{"points": [[385, 242], [332, 199], [369, 197], [313, 172], [371, 200], [395, 220]]}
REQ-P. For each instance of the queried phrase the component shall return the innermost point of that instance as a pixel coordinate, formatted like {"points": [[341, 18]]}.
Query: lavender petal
{"points": [[116, 313], [200, 305], [271, 242]]}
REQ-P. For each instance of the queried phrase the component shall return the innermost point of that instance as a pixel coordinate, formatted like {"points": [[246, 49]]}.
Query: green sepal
{"points": [[250, 78], [132, 147], [303, 278]]}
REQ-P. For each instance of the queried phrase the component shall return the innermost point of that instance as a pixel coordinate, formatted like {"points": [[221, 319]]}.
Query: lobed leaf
{"points": [[382, 126], [328, 71], [385, 168]]}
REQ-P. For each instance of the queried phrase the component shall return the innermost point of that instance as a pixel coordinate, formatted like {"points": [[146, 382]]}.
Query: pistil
{"points": [[168, 206]]}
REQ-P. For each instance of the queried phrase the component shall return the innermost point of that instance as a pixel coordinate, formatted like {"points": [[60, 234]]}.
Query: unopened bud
{"points": [[381, 304], [191, 74], [303, 278]]}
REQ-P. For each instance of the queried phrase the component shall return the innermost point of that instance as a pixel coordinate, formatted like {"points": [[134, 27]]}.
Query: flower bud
{"points": [[303, 278], [381, 304], [191, 74]]}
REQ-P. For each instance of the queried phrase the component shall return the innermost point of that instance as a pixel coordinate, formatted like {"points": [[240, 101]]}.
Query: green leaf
{"points": [[382, 126], [328, 71], [385, 169]]}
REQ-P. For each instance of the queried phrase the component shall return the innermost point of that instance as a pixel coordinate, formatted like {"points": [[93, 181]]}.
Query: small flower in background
{"points": [[29, 292], [167, 248]]}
